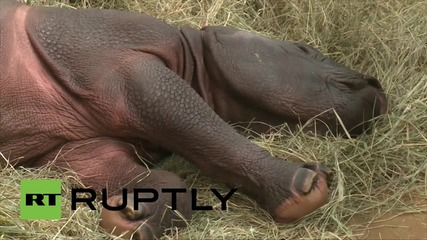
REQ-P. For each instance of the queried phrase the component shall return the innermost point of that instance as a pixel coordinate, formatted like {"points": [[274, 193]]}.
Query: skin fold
{"points": [[93, 90]]}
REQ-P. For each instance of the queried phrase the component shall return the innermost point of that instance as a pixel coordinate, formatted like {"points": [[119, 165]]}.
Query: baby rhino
{"points": [[105, 88]]}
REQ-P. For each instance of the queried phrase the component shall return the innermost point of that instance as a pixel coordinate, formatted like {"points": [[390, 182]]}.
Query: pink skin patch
{"points": [[115, 222], [23, 59], [300, 205]]}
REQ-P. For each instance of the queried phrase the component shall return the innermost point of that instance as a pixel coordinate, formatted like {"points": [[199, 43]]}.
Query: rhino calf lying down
{"points": [[101, 84]]}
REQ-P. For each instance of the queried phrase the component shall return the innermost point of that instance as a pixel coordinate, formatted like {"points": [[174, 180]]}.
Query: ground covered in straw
{"points": [[379, 176]]}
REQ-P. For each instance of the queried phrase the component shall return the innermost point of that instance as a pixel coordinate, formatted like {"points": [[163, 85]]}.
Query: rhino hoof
{"points": [[127, 223], [309, 190]]}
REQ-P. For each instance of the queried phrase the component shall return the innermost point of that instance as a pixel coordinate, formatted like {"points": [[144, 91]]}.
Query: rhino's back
{"points": [[79, 40]]}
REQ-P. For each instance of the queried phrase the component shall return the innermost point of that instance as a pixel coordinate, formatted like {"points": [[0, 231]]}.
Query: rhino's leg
{"points": [[112, 164], [161, 107]]}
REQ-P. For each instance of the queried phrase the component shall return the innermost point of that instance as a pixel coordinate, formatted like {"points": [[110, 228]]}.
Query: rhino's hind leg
{"points": [[112, 164], [150, 219]]}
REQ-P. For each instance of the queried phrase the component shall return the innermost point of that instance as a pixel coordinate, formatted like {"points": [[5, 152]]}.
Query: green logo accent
{"points": [[40, 199]]}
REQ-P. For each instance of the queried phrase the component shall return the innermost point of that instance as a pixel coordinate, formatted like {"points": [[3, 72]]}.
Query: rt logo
{"points": [[40, 199]]}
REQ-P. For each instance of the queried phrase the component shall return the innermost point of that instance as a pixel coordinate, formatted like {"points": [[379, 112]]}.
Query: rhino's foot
{"points": [[129, 222], [309, 191], [149, 220]]}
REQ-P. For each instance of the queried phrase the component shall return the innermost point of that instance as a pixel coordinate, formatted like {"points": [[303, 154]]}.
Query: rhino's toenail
{"points": [[304, 180]]}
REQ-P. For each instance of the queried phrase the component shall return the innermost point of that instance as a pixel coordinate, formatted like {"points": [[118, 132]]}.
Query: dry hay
{"points": [[378, 174]]}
